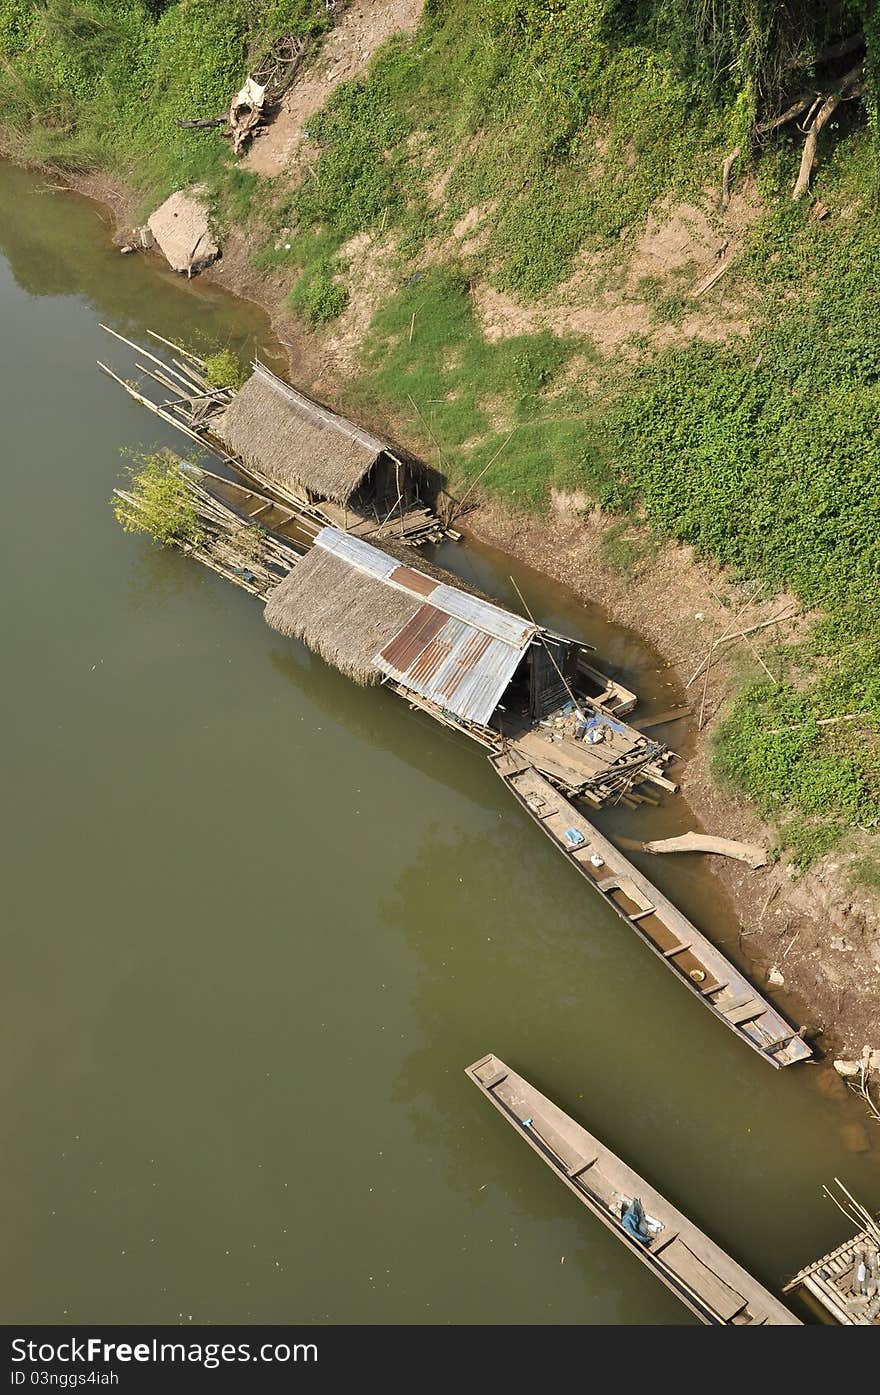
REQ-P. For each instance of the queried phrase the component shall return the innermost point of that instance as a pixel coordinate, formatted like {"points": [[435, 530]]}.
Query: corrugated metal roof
{"points": [[483, 615], [462, 669], [457, 650], [413, 581], [500, 624], [357, 553], [406, 646]]}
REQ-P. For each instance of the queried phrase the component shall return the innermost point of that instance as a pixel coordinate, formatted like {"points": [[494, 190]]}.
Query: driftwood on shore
{"points": [[750, 853]]}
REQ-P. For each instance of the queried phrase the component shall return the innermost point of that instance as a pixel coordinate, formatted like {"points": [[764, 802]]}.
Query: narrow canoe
{"points": [[694, 960], [711, 1284]]}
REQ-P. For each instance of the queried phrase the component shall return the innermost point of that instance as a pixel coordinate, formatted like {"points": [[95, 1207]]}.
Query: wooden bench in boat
{"points": [[670, 935], [702, 1275]]}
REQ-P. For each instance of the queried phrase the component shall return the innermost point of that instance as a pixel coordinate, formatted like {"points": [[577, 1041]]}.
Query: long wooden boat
{"points": [[706, 1280], [695, 961]]}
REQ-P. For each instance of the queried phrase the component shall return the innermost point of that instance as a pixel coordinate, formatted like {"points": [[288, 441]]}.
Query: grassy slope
{"points": [[565, 122]]}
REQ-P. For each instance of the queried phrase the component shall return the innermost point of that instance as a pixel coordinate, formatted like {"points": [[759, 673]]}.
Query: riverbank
{"points": [[814, 928]]}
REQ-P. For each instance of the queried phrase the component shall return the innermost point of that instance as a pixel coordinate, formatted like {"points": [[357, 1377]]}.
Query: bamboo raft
{"points": [[230, 545], [551, 737], [694, 960], [846, 1282], [702, 1276], [237, 544]]}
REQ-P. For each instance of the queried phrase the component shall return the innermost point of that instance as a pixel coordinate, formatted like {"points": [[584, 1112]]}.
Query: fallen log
{"points": [[749, 853]]}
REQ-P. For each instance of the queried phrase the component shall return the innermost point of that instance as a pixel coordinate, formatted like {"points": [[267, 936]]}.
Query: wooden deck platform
{"points": [[695, 961], [702, 1275], [619, 763], [846, 1281]]}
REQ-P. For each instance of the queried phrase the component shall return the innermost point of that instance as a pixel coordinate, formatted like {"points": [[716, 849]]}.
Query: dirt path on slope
{"points": [[346, 51]]}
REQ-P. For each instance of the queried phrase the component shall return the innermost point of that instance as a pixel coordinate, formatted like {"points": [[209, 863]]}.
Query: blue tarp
{"points": [[634, 1223]]}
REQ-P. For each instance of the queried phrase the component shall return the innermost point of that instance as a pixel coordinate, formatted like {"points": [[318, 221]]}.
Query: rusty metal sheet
{"points": [[460, 668], [414, 581], [403, 650]]}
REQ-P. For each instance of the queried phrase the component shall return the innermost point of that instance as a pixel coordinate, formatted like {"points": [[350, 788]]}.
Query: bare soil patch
{"points": [[680, 245], [345, 53]]}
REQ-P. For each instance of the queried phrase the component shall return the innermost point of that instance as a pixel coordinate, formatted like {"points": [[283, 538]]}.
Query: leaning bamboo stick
{"points": [[743, 608], [740, 634], [179, 347], [750, 645]]}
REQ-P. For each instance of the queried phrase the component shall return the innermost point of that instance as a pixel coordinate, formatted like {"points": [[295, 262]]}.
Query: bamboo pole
{"points": [[146, 353], [473, 484], [562, 676], [751, 646], [179, 347], [743, 608], [740, 634]]}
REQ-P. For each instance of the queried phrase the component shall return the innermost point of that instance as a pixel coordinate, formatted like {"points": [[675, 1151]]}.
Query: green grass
{"points": [[468, 401], [98, 83]]}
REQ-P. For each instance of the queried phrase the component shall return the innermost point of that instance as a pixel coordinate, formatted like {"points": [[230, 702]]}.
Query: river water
{"points": [[257, 920]]}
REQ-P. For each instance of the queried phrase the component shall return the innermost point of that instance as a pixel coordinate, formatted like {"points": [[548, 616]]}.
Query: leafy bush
{"points": [[224, 369], [318, 297], [161, 505]]}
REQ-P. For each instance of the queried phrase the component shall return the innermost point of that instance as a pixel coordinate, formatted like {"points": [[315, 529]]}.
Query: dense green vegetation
{"points": [[555, 128], [102, 82]]}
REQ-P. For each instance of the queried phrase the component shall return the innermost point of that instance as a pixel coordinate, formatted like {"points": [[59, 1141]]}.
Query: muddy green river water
{"points": [[257, 920]]}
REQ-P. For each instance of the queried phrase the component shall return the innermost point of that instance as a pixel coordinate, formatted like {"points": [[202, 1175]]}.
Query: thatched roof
{"points": [[180, 227], [290, 439], [373, 617], [342, 614]]}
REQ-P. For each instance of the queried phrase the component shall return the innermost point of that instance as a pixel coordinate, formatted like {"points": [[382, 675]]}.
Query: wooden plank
{"points": [[745, 1012], [723, 1299]]}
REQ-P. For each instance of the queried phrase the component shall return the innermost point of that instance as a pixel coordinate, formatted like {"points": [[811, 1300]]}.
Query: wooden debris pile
{"points": [[265, 85]]}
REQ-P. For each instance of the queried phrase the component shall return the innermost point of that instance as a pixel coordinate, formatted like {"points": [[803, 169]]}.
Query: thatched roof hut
{"points": [[285, 436], [374, 618], [339, 612]]}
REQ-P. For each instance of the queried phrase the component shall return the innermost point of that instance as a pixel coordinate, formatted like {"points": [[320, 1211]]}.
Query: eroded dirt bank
{"points": [[815, 930]]}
